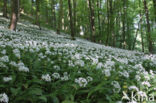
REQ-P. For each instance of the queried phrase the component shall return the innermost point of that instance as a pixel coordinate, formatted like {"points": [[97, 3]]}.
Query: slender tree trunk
{"points": [[142, 36], [92, 18], [111, 23], [14, 15], [47, 12], [108, 23], [123, 25], [142, 39], [98, 14], [74, 16], [71, 20], [149, 39], [5, 8], [53, 14], [32, 10], [154, 4], [60, 17], [137, 33], [38, 13]]}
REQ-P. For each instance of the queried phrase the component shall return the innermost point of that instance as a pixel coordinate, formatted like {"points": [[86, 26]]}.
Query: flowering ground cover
{"points": [[39, 66]]}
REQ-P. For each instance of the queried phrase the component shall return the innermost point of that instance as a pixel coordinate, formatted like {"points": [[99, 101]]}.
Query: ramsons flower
{"points": [[7, 79], [46, 77], [81, 81], [4, 98], [56, 75]]}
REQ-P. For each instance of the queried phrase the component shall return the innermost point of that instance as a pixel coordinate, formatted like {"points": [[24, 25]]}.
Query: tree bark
{"points": [[74, 15], [53, 14], [92, 19], [38, 13], [154, 4], [137, 33], [5, 8], [108, 23], [60, 17], [123, 25], [98, 14], [14, 15], [71, 20], [149, 39], [32, 10]]}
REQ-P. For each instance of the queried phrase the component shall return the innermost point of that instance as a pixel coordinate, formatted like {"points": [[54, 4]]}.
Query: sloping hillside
{"points": [[39, 66]]}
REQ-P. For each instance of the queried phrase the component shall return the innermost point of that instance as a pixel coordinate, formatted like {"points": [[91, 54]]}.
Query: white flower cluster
{"points": [[133, 88], [22, 67], [4, 59], [7, 79], [17, 53], [117, 87], [83, 81], [46, 77], [4, 98]]}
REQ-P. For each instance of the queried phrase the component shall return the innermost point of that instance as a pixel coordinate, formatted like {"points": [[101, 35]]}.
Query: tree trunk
{"points": [[108, 23], [59, 28], [92, 19], [53, 14], [32, 10], [74, 16], [38, 13], [71, 20], [142, 36], [137, 33], [98, 14], [5, 8], [149, 39], [123, 25], [154, 4], [14, 15]]}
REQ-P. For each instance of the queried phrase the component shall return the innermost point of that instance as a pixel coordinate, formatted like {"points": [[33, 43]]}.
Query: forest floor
{"points": [[39, 66]]}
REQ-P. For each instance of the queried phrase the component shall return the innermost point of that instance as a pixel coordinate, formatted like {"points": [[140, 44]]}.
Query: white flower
{"points": [[13, 63], [106, 72], [7, 79], [146, 83], [133, 88], [65, 78], [117, 87], [23, 68], [17, 53], [57, 67], [3, 52], [4, 98], [137, 77], [81, 81], [56, 75], [46, 77], [80, 63], [124, 73], [99, 65], [89, 79], [4, 59]]}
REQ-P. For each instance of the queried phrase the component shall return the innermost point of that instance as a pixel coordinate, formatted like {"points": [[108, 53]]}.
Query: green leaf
{"points": [[43, 98]]}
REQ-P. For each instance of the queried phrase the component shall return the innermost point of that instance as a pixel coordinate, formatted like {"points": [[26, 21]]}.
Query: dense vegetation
{"points": [[127, 24], [41, 63], [39, 66]]}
